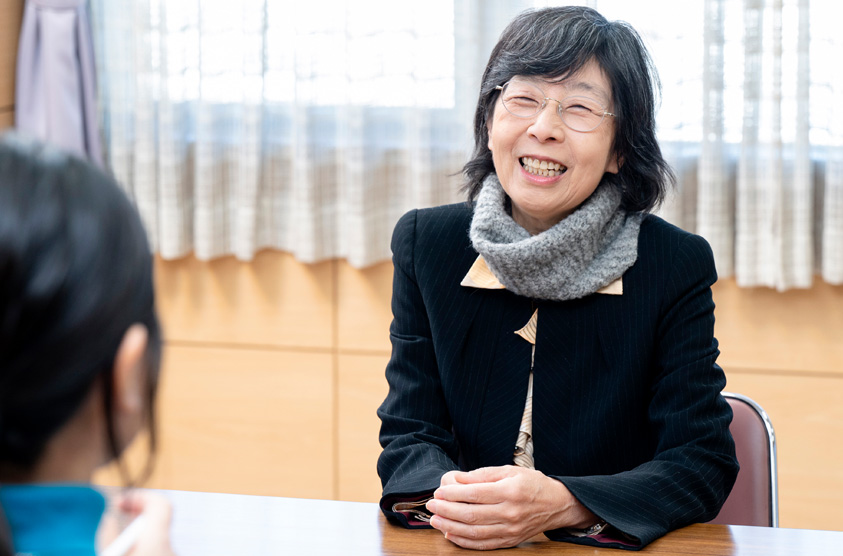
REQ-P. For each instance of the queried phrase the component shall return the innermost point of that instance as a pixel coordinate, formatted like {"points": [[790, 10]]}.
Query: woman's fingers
{"points": [[478, 537], [500, 488], [471, 530], [484, 493], [481, 475], [156, 512], [488, 474], [482, 544], [449, 478], [474, 513]]}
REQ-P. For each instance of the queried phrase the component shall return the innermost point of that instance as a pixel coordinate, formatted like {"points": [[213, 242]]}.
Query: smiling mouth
{"points": [[542, 167]]}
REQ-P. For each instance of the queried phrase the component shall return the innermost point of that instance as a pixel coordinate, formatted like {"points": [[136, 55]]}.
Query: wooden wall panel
{"points": [[766, 330], [11, 14], [362, 388], [807, 414], [261, 421], [244, 421], [272, 301], [363, 307]]}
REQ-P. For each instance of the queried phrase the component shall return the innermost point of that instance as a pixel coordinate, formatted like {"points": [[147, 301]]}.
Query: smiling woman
{"points": [[581, 154], [553, 354]]}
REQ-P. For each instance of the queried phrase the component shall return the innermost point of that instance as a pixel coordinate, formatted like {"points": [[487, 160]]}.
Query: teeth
{"points": [[542, 167]]}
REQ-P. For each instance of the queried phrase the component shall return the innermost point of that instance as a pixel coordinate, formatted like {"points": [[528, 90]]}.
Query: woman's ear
{"points": [[614, 164], [129, 371]]}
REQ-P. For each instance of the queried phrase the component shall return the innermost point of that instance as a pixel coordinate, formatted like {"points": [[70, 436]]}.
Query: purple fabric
{"points": [[56, 77]]}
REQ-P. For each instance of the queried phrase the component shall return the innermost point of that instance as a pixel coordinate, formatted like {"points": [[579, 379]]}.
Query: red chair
{"points": [[755, 499]]}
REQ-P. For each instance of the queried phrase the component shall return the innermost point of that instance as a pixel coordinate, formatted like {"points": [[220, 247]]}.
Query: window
{"points": [[318, 53]]}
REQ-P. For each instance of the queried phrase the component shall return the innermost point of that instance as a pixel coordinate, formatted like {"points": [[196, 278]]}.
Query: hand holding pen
{"points": [[148, 534]]}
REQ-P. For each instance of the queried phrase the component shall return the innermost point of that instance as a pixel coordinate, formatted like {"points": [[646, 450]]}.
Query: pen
{"points": [[125, 540]]}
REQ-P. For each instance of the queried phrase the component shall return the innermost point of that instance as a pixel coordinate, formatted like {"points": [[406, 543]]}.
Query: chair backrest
{"points": [[754, 499]]}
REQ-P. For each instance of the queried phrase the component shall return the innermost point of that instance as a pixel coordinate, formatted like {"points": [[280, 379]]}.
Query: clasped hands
{"points": [[498, 507]]}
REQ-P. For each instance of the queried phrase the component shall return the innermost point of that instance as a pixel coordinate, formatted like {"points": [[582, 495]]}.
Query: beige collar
{"points": [[480, 276]]}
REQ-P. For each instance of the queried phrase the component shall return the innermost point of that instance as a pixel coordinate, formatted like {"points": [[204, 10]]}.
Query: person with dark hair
{"points": [[79, 351], [553, 354]]}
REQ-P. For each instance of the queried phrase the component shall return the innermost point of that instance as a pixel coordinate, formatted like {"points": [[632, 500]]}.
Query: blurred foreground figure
{"points": [[79, 353]]}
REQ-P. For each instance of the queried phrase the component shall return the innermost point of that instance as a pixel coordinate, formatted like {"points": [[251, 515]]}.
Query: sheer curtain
{"points": [[308, 127], [750, 119], [311, 127]]}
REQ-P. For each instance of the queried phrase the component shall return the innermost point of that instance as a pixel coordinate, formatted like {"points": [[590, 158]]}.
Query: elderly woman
{"points": [[553, 364]]}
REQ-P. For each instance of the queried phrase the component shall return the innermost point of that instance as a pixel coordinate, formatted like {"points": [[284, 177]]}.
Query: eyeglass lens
{"points": [[525, 100]]}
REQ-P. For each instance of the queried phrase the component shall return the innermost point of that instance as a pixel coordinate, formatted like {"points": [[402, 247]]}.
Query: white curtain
{"points": [[308, 127], [311, 127]]}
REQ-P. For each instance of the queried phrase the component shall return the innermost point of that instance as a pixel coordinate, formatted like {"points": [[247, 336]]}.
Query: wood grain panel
{"points": [[11, 14], [807, 414], [363, 308], [362, 388], [273, 301], [796, 330], [244, 421]]}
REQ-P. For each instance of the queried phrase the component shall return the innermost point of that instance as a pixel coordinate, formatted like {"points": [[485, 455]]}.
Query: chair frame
{"points": [[771, 439]]}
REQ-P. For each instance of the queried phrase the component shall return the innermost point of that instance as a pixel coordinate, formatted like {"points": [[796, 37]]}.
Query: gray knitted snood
{"points": [[587, 250]]}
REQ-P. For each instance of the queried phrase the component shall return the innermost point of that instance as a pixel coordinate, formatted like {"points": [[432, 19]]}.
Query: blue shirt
{"points": [[53, 520]]}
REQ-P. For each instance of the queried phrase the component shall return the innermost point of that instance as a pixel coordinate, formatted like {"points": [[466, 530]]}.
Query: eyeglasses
{"points": [[525, 100]]}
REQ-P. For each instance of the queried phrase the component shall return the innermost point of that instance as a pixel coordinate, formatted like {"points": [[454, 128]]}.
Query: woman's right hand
{"points": [[449, 478], [154, 539]]}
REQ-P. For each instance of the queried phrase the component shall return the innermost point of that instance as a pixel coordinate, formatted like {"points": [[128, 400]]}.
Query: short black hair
{"points": [[558, 42], [75, 274]]}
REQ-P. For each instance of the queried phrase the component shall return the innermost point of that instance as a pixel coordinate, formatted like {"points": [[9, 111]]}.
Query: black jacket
{"points": [[627, 411]]}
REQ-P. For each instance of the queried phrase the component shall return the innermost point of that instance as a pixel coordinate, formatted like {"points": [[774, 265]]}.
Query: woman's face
{"points": [[540, 202]]}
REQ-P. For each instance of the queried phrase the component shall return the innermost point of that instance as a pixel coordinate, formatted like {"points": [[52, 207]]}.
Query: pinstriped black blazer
{"points": [[627, 411]]}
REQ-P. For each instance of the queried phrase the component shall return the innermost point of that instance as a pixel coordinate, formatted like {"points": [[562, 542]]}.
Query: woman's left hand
{"points": [[498, 507]]}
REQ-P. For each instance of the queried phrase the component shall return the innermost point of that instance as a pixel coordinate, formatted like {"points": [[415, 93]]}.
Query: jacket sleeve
{"points": [[694, 466], [416, 431]]}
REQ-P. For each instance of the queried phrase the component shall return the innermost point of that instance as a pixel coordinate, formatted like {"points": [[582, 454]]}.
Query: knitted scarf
{"points": [[587, 250]]}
